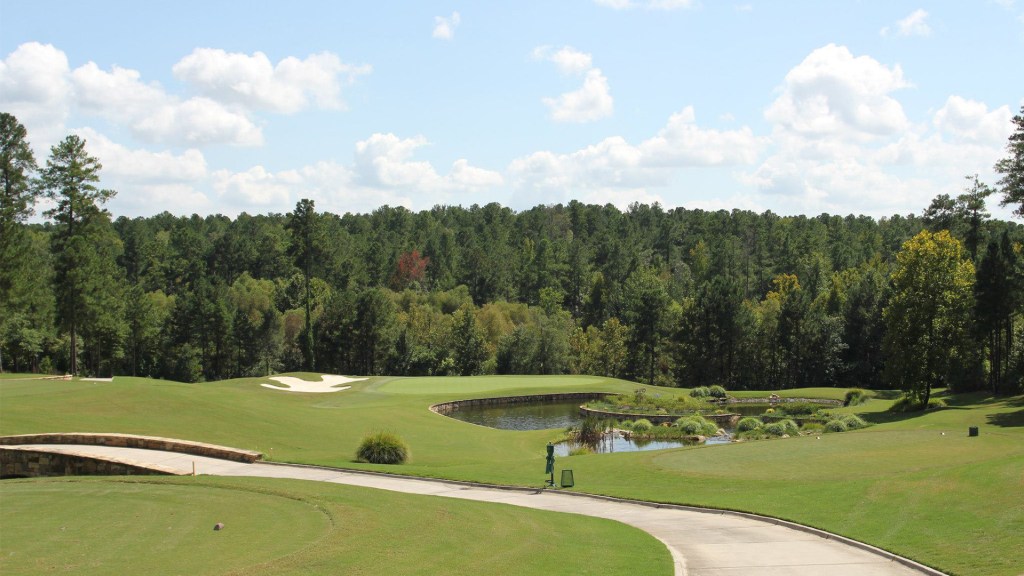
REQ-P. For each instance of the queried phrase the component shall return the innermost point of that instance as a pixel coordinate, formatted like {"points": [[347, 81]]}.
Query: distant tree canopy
{"points": [[668, 296]]}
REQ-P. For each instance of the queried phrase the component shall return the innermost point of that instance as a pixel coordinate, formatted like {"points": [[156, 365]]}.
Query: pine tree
{"points": [[69, 179], [1012, 168], [17, 199]]}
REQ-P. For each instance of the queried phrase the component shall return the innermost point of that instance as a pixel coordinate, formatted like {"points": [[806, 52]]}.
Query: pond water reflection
{"points": [[559, 415]]}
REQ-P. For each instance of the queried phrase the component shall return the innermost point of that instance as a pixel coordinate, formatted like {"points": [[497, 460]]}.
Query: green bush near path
{"points": [[272, 527], [382, 448], [913, 483]]}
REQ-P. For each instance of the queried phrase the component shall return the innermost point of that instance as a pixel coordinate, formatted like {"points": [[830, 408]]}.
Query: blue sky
{"points": [[799, 107]]}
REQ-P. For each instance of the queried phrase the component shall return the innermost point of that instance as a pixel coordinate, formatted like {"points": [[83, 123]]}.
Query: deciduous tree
{"points": [[927, 316]]}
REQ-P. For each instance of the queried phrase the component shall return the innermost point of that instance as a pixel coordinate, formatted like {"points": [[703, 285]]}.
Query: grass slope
{"points": [[900, 484], [283, 527]]}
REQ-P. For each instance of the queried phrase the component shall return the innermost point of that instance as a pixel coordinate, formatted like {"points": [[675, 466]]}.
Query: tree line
{"points": [[673, 297]]}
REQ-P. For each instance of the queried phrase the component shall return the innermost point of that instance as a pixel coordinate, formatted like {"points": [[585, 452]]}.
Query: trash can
{"points": [[972, 431], [567, 481]]}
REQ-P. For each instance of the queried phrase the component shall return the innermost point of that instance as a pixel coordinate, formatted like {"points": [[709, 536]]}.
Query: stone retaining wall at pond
{"points": [[25, 462], [135, 441], [782, 401], [449, 407], [720, 420]]}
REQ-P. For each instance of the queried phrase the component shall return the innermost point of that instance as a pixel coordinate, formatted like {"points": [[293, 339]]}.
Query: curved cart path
{"points": [[702, 543]]}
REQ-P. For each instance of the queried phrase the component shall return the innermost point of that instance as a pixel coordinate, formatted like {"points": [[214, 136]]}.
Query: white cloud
{"points": [[614, 164], [971, 120], [444, 28], [158, 117], [36, 90], [149, 182], [383, 172], [256, 187], [841, 142], [836, 94], [255, 83], [648, 4], [134, 165], [913, 25], [466, 177], [568, 59], [385, 161], [682, 143], [592, 101]]}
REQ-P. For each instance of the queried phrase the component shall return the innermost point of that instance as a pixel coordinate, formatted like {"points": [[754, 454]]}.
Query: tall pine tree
{"points": [[69, 179]]}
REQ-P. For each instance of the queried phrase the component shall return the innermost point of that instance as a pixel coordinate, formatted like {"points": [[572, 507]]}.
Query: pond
{"points": [[559, 415]]}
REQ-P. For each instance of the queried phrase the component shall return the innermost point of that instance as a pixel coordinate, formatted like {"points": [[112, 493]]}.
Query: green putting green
{"points": [[914, 484]]}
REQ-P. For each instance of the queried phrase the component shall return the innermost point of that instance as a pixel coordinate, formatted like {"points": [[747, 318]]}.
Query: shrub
{"points": [[642, 425], [774, 429], [626, 424], [835, 426], [853, 422], [855, 397], [639, 395], [799, 408], [696, 425], [790, 427], [749, 423], [700, 392], [717, 391], [382, 448]]}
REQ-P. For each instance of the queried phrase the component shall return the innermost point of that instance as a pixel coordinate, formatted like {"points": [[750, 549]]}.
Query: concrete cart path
{"points": [[702, 543]]}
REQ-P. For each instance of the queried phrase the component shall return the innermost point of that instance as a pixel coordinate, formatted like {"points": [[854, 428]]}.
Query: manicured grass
{"points": [[284, 527], [899, 484], [487, 385], [107, 527]]}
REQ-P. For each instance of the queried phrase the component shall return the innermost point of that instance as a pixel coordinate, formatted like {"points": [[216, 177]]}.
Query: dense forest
{"points": [[673, 297]]}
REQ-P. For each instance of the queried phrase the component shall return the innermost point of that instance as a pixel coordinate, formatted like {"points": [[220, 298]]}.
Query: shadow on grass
{"points": [[889, 417], [1010, 419]]}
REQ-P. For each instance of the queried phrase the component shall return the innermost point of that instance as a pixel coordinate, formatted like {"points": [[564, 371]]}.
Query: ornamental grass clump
{"points": [[590, 431], [717, 391], [855, 397], [382, 448], [581, 450], [749, 423], [774, 429], [696, 425], [790, 427], [642, 425], [700, 392], [853, 422], [835, 426], [800, 408]]}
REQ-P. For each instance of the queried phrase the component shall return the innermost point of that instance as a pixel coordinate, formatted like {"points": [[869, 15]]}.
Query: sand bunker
{"points": [[327, 383]]}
